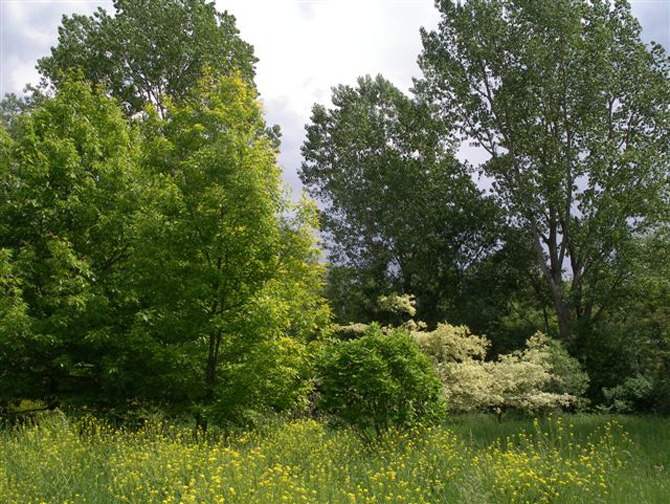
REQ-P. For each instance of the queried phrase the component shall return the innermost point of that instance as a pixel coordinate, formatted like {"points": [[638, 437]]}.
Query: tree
{"points": [[221, 271], [154, 260], [149, 49], [400, 212], [68, 194], [573, 111]]}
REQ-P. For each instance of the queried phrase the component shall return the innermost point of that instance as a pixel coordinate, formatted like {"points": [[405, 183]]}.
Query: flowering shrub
{"points": [[449, 344], [542, 376]]}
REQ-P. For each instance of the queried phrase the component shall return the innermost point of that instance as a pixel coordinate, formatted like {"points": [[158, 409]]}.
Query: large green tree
{"points": [[226, 268], [68, 195], [573, 110], [156, 259], [149, 49], [400, 211]]}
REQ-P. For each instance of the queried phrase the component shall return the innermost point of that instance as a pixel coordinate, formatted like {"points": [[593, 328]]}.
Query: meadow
{"points": [[469, 459]]}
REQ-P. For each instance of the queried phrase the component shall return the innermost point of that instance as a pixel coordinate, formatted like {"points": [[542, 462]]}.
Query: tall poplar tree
{"points": [[574, 112]]}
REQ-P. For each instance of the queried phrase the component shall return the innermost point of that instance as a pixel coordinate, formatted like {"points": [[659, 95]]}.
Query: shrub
{"points": [[450, 343], [567, 374], [378, 381], [629, 396], [541, 376]]}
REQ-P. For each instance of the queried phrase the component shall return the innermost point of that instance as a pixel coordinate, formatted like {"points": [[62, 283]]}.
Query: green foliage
{"points": [[154, 260], [149, 49], [632, 344], [223, 275], [572, 108], [15, 328], [12, 107], [69, 195], [149, 254], [378, 381], [626, 397], [400, 213], [505, 296], [275, 376]]}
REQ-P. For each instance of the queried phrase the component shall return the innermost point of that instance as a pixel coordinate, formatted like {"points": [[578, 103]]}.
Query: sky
{"points": [[305, 47]]}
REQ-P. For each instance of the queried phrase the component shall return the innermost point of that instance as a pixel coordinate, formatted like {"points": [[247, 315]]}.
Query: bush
{"points": [[567, 374], [542, 376], [378, 381], [630, 396], [451, 344]]}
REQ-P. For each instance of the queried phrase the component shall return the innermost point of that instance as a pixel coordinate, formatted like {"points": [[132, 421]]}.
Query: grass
{"points": [[645, 453], [470, 460]]}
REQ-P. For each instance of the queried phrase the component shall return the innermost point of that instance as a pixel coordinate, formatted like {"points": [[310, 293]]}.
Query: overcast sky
{"points": [[305, 47]]}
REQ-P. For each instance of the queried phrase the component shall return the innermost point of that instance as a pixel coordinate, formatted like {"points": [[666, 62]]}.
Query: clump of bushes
{"points": [[629, 396], [541, 376], [377, 381]]}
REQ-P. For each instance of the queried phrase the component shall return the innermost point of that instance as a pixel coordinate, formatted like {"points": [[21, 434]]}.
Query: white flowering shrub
{"points": [[567, 375], [398, 304], [452, 344], [542, 376]]}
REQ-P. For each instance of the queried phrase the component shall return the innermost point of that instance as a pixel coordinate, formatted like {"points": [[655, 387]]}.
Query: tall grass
{"points": [[468, 460]]}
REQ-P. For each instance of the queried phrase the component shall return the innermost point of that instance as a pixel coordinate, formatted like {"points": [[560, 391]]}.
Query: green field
{"points": [[571, 459]]}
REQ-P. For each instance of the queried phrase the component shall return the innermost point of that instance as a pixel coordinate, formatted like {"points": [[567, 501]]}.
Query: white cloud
{"points": [[303, 55], [306, 48], [21, 72], [28, 29]]}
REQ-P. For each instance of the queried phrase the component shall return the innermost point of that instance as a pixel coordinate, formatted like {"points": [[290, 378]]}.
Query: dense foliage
{"points": [[69, 196], [378, 381], [569, 108], [239, 281], [401, 213], [151, 260], [154, 259], [540, 377], [572, 109]]}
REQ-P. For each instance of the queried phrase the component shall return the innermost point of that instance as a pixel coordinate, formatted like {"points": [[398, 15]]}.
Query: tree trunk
{"points": [[210, 370], [553, 277], [210, 376], [563, 316]]}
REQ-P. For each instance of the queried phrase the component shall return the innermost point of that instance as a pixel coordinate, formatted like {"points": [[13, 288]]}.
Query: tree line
{"points": [[149, 254], [570, 109]]}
